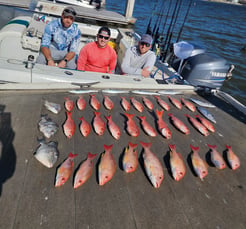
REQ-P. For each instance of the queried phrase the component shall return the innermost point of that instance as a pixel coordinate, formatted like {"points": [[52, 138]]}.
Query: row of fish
{"points": [[47, 154], [203, 125]]}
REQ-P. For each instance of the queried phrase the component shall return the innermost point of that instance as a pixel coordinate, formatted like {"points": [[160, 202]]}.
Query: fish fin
{"points": [[91, 156], [132, 145], [194, 148], [228, 147], [70, 155], [110, 147], [212, 146], [172, 147], [145, 144]]}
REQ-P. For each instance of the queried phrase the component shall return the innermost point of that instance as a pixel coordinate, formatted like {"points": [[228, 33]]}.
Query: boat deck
{"points": [[28, 198], [49, 7]]}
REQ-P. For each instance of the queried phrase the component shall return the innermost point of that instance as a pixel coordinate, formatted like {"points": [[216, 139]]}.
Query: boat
{"points": [[27, 189], [81, 3]]}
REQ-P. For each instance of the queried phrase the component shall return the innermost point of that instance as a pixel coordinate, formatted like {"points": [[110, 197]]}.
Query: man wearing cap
{"points": [[139, 60], [60, 41], [98, 56]]}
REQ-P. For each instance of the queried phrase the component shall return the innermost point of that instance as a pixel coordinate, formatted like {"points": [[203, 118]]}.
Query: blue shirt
{"points": [[56, 36]]}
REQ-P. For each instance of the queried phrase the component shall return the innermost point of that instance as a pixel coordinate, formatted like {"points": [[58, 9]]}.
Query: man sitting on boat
{"points": [[139, 60], [60, 41], [98, 56]]}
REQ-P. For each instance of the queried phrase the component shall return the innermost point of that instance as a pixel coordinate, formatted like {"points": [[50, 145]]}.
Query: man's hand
{"points": [[145, 72], [62, 64], [51, 62]]}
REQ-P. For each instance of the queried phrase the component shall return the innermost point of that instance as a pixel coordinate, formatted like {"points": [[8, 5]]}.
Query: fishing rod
{"points": [[165, 21], [169, 28], [185, 18], [148, 30], [158, 20], [171, 34]]}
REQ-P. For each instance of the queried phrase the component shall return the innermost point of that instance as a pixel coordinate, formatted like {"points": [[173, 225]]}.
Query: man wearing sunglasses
{"points": [[60, 41], [139, 60], [98, 56]]}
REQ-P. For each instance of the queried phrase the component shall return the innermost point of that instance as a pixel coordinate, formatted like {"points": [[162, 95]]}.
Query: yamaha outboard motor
{"points": [[201, 69]]}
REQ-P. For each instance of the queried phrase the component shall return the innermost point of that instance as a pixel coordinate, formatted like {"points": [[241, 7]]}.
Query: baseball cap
{"points": [[147, 39], [104, 30], [69, 11]]}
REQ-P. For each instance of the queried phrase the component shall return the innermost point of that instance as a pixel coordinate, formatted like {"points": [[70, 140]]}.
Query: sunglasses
{"points": [[103, 37], [70, 12], [144, 43]]}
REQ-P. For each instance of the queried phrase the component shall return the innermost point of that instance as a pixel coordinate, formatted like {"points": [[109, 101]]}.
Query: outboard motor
{"points": [[201, 69]]}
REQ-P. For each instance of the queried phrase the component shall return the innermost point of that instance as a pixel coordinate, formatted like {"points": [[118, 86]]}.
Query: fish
{"points": [[201, 128], [188, 104], [98, 124], [108, 103], [162, 103], [179, 124], [47, 126], [69, 104], [137, 105], [199, 165], [232, 158], [177, 163], [131, 128], [162, 126], [148, 129], [65, 170], [201, 103], [81, 103], [113, 128], [206, 114], [47, 153], [216, 158], [147, 103], [83, 91], [125, 104], [85, 127], [206, 123], [53, 107], [85, 171], [175, 102], [152, 165], [69, 125], [115, 91], [94, 102], [107, 166], [130, 158], [139, 92]]}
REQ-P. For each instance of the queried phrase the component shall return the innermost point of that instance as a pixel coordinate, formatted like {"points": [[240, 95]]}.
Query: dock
{"points": [[55, 9], [29, 199]]}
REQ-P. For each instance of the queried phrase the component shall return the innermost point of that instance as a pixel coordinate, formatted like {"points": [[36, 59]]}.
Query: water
{"points": [[218, 27]]}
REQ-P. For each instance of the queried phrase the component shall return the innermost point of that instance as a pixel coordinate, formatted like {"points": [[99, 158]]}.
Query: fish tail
{"points": [[228, 147], [132, 145], [93, 95], [197, 116], [97, 113], [108, 117], [142, 118], [159, 113], [212, 146], [194, 148], [129, 116], [187, 115], [157, 97], [69, 114], [170, 115], [66, 98], [145, 144], [70, 155], [91, 156], [172, 147], [108, 148], [81, 118]]}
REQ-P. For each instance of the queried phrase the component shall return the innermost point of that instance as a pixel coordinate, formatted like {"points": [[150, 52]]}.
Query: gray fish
{"points": [[47, 126], [201, 103], [47, 153], [53, 107], [206, 114]]}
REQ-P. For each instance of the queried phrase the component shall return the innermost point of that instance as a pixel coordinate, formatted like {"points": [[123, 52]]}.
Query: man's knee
{"points": [[41, 59], [72, 64]]}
